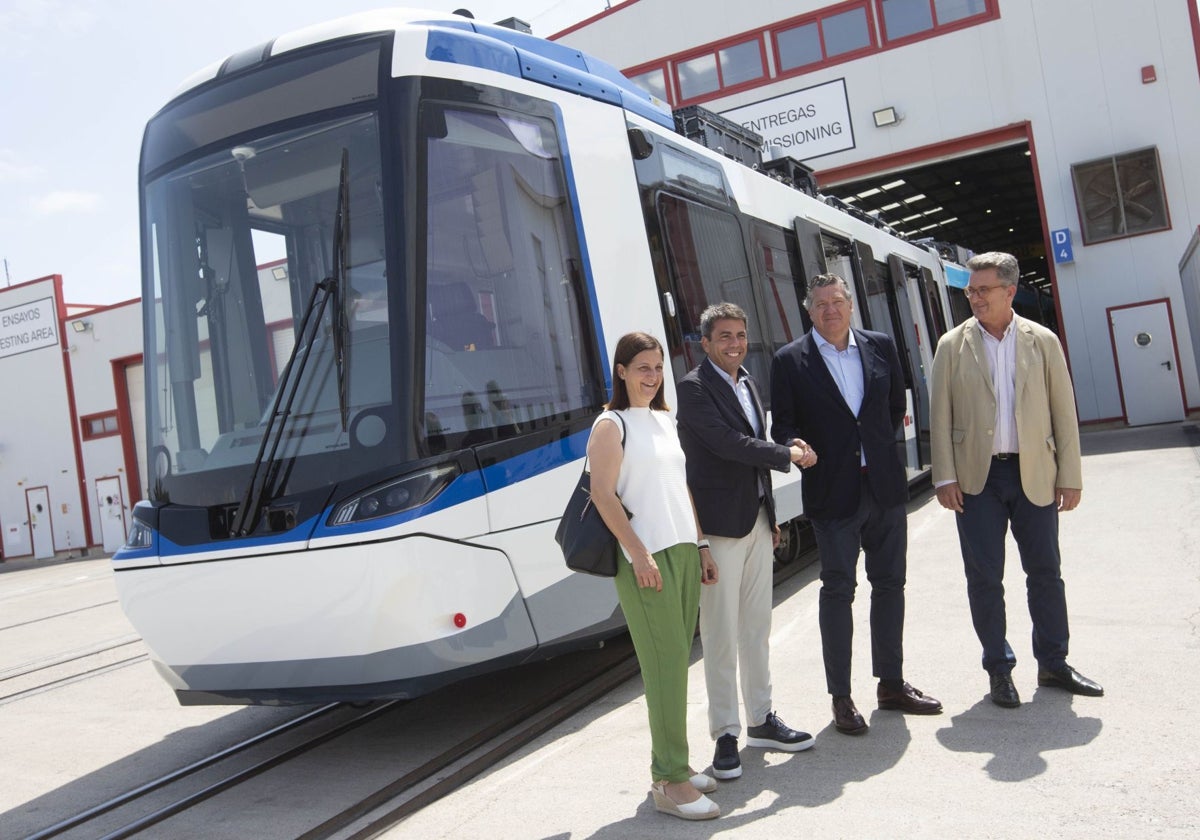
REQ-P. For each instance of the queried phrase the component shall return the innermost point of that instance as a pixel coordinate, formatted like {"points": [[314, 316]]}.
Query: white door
{"points": [[111, 508], [1147, 364], [40, 527]]}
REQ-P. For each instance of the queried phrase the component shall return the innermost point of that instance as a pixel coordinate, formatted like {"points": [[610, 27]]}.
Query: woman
{"points": [[659, 586]]}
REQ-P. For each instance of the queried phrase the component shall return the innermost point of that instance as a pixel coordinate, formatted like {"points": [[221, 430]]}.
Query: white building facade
{"points": [[67, 463], [1106, 93]]}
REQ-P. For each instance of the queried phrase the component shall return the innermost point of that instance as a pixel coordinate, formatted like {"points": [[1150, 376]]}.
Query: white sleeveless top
{"points": [[652, 482]]}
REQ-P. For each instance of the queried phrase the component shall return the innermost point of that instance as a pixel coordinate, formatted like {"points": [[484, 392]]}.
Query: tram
{"points": [[385, 263]]}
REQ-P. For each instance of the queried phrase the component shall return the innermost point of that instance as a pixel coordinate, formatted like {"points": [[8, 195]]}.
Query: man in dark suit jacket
{"points": [[842, 390], [722, 429]]}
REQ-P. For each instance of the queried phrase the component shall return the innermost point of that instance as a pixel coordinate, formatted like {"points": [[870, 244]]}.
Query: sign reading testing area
{"points": [[803, 124], [28, 326]]}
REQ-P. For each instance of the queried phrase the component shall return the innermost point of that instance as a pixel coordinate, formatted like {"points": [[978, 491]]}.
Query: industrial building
{"points": [[1061, 132]]}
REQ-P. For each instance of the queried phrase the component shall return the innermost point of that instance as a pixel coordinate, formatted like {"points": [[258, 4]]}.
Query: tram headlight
{"points": [[140, 536], [396, 496]]}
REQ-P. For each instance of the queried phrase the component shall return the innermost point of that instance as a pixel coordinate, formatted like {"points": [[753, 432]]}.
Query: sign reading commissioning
{"points": [[803, 124]]}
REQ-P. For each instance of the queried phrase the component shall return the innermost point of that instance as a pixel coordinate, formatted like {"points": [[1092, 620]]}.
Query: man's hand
{"points": [[950, 497], [802, 454], [1067, 498]]}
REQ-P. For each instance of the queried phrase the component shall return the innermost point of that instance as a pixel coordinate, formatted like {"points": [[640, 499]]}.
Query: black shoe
{"points": [[774, 734], [726, 764], [846, 718], [1070, 679], [907, 699], [1004, 693]]}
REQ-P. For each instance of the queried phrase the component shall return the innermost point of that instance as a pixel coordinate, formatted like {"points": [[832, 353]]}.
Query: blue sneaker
{"points": [[726, 764]]}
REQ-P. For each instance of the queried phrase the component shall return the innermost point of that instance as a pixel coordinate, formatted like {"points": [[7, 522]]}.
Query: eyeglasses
{"points": [[834, 303], [979, 291]]}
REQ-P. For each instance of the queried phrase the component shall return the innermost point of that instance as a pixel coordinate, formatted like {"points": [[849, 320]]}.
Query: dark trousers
{"points": [[981, 531], [882, 534]]}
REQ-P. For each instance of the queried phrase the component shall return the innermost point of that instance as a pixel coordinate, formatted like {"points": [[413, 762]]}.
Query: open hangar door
{"points": [[982, 201]]}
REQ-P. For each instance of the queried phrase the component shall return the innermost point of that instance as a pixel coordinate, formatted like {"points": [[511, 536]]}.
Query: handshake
{"points": [[802, 454]]}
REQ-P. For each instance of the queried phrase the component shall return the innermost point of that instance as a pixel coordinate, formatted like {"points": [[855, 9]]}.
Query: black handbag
{"points": [[587, 544]]}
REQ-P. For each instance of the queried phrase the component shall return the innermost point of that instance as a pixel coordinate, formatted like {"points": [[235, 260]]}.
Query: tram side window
{"points": [[784, 292], [509, 348], [708, 265]]}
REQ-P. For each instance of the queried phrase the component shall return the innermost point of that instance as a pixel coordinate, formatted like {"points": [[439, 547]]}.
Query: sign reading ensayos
{"points": [[28, 326]]}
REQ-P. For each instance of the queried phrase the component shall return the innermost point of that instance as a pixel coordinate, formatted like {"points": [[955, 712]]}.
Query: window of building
{"points": [[654, 81], [832, 34], [906, 18], [846, 32], [697, 76], [728, 67], [1120, 196], [99, 425], [799, 46]]}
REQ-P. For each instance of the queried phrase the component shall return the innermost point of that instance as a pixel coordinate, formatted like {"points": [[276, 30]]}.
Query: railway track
{"points": [[52, 671], [232, 780]]}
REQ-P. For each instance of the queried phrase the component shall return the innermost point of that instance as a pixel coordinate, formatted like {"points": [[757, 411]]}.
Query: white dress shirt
{"points": [[1002, 361], [845, 366]]}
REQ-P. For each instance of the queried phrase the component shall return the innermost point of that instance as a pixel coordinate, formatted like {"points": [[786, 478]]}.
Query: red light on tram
{"points": [[460, 620]]}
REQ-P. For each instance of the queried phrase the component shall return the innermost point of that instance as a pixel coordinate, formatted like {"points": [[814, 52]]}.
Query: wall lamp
{"points": [[81, 326], [885, 116]]}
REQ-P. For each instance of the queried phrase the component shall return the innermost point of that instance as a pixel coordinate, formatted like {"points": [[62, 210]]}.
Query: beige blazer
{"points": [[963, 412]]}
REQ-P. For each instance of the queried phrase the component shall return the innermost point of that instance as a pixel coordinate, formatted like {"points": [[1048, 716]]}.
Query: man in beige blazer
{"points": [[1006, 453]]}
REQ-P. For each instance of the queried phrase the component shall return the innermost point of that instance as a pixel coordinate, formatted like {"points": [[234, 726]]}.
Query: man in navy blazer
{"points": [[722, 428], [842, 390]]}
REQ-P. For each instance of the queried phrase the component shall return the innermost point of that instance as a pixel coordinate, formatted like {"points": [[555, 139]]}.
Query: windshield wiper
{"points": [[248, 514]]}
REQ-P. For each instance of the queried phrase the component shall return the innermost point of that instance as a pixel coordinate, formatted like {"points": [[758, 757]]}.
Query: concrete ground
{"points": [[1126, 765]]}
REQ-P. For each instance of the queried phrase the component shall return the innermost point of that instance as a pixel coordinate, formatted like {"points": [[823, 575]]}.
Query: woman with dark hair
{"points": [[659, 585]]}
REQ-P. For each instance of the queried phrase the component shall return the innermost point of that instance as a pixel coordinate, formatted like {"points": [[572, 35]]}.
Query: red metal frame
{"points": [[991, 12], [85, 422], [133, 473], [714, 49], [73, 413], [879, 43], [817, 17], [1079, 204]]}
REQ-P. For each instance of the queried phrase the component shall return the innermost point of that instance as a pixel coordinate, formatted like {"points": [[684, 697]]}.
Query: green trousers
{"points": [[663, 625]]}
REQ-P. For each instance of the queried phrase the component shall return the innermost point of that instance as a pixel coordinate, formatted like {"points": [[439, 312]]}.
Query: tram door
{"points": [[905, 312], [880, 311], [707, 262]]}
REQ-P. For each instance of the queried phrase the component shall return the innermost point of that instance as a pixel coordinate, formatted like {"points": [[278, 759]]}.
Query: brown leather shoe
{"points": [[846, 718], [909, 700]]}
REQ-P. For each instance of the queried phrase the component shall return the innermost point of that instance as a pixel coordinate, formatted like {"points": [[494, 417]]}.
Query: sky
{"points": [[80, 78]]}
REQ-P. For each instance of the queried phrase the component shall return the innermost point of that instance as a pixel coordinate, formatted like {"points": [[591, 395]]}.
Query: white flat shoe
{"points": [[702, 809], [701, 782]]}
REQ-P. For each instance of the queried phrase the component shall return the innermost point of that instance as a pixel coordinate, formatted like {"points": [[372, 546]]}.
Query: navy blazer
{"points": [[806, 404], [725, 459]]}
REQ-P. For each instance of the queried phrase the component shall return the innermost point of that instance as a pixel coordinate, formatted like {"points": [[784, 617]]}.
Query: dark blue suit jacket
{"points": [[725, 459], [806, 404]]}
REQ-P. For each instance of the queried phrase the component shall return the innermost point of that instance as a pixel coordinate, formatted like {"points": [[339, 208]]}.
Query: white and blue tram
{"points": [[385, 263]]}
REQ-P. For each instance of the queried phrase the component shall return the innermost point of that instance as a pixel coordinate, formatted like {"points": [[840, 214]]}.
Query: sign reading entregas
{"points": [[30, 326], [803, 124]]}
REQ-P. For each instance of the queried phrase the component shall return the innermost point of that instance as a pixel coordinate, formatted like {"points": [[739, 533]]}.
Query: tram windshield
{"points": [[484, 340], [237, 240]]}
